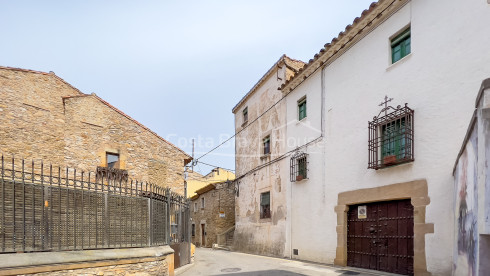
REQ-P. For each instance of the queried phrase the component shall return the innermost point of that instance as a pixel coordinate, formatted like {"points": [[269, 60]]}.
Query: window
{"points": [[112, 160], [299, 167], [391, 138], [193, 230], [400, 46], [202, 203], [195, 207], [265, 205], [245, 114], [267, 144], [302, 109]]}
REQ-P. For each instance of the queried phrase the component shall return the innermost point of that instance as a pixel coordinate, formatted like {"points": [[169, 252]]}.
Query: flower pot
{"points": [[389, 160], [299, 177]]}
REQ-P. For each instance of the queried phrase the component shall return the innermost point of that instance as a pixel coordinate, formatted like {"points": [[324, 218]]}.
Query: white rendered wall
{"points": [[439, 80]]}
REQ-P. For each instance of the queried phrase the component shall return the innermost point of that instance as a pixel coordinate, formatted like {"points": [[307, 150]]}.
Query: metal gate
{"points": [[380, 236]]}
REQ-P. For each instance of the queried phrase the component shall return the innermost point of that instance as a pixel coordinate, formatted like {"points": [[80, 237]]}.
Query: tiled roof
{"points": [[375, 14], [97, 97], [292, 64]]}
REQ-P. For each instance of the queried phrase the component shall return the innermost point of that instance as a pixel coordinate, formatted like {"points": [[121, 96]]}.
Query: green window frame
{"points": [[394, 140], [401, 46], [265, 205], [302, 109]]}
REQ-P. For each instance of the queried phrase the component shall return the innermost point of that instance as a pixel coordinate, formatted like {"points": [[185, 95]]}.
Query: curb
{"points": [[183, 269]]}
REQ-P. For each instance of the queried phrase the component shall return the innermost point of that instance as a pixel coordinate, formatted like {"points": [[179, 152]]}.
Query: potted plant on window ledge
{"points": [[299, 177], [389, 160]]}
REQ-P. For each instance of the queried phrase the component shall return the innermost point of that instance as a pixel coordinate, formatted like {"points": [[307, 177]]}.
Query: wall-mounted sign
{"points": [[362, 212], [221, 214]]}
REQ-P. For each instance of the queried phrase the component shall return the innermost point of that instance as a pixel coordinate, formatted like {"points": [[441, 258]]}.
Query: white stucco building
{"points": [[380, 195]]}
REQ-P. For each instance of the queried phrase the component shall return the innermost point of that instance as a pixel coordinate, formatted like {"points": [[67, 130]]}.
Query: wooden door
{"points": [[382, 237], [203, 235]]}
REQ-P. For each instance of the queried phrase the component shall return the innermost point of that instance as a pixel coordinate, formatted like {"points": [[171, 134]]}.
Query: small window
{"points": [[112, 160], [195, 207], [299, 167], [302, 109], [202, 203], [400, 46], [267, 145], [245, 114], [193, 230], [265, 205]]}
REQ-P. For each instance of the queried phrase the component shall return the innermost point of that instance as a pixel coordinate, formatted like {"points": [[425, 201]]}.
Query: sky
{"points": [[178, 67]]}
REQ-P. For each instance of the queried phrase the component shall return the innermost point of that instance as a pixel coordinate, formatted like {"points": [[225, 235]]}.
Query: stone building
{"points": [[196, 181], [373, 123], [213, 213], [261, 225], [44, 117]]}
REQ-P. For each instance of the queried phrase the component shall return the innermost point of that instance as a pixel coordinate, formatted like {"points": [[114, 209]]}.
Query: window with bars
{"points": [[265, 205], [202, 203], [267, 144], [302, 109], [299, 167], [193, 230], [400, 46], [391, 138]]}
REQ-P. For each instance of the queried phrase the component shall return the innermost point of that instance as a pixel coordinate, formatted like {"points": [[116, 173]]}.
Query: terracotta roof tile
{"points": [[349, 30]]}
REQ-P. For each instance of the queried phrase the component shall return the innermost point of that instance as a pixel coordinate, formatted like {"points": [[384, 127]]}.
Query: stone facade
{"points": [[43, 117], [219, 198], [152, 268]]}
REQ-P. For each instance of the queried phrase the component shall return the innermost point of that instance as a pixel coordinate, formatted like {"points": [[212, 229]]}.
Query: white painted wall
{"points": [[450, 57]]}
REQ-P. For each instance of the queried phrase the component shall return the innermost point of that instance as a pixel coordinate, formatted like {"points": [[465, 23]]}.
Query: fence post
{"points": [[168, 221], [106, 220], [150, 216]]}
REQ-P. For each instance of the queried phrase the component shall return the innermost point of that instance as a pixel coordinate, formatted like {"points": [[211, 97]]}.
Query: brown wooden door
{"points": [[382, 239], [203, 235]]}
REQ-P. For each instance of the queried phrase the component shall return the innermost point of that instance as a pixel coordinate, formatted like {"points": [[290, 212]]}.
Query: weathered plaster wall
{"points": [[439, 85], [220, 199], [252, 234], [43, 117], [466, 210]]}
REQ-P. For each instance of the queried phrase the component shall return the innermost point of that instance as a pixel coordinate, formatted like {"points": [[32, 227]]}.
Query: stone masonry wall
{"points": [[154, 268], [222, 198], [43, 117]]}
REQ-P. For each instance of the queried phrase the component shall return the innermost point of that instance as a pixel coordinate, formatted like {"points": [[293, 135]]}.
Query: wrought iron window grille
{"points": [[391, 137], [299, 166]]}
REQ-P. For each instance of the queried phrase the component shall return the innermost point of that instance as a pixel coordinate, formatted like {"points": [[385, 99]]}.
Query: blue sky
{"points": [[177, 67]]}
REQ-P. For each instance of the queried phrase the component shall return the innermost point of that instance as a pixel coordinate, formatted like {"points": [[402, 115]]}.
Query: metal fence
{"points": [[43, 208]]}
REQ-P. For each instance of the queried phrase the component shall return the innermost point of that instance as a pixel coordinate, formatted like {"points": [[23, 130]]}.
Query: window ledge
{"points": [[302, 121], [403, 60], [264, 156], [265, 220]]}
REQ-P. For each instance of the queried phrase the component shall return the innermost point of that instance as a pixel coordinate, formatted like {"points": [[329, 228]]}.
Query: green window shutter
{"points": [[302, 110], [401, 46]]}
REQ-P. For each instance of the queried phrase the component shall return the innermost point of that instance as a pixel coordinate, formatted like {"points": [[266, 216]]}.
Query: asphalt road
{"points": [[219, 262]]}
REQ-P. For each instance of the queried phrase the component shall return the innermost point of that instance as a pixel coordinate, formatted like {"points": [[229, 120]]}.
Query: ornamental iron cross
{"points": [[385, 103]]}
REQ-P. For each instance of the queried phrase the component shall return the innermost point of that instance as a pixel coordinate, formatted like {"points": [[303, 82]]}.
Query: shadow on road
{"points": [[265, 273]]}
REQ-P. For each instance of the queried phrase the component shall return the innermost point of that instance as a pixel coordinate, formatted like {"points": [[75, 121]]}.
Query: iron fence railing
{"points": [[43, 208]]}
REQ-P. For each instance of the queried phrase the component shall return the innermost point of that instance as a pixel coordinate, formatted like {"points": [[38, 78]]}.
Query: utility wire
{"points": [[215, 166], [341, 48]]}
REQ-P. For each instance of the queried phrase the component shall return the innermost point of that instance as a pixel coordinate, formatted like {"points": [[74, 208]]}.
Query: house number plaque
{"points": [[361, 212]]}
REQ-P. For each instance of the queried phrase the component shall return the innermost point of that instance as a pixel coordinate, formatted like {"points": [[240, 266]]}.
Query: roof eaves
{"points": [[344, 39], [283, 58], [138, 123], [205, 189]]}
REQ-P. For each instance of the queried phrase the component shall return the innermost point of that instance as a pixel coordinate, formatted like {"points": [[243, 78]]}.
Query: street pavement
{"points": [[220, 262]]}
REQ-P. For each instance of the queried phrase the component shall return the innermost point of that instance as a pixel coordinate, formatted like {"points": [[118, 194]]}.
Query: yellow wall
{"points": [[196, 181]]}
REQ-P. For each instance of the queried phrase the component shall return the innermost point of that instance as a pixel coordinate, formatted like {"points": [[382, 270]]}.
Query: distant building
{"points": [[213, 214], [196, 181], [44, 117]]}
